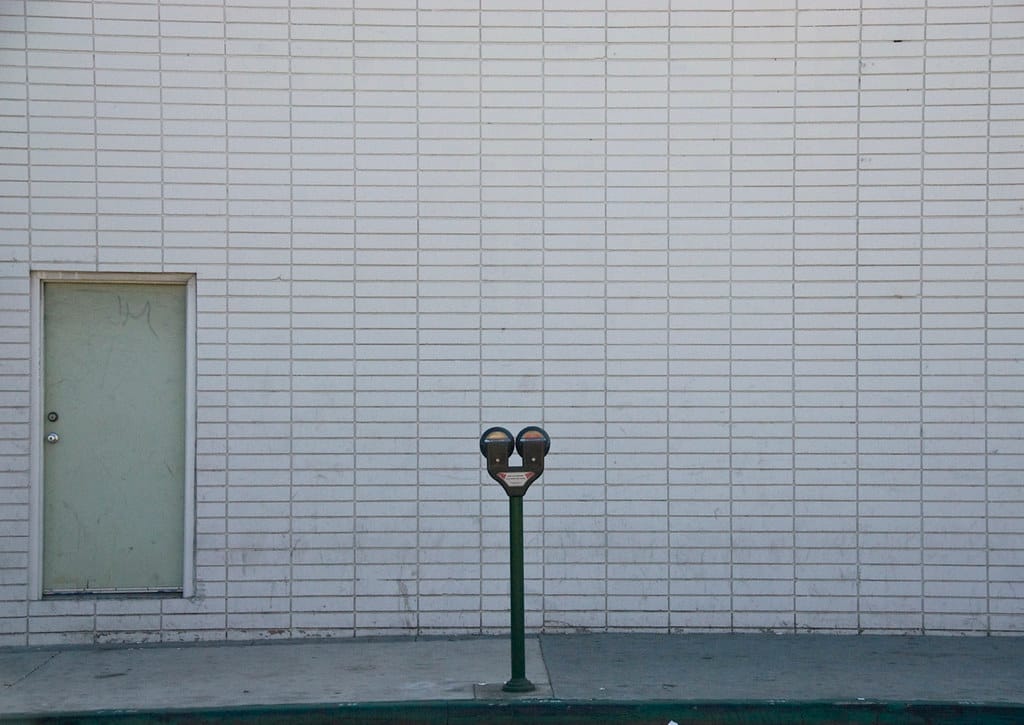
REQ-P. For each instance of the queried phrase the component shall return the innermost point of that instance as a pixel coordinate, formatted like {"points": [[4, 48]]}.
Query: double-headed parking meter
{"points": [[532, 444], [496, 445]]}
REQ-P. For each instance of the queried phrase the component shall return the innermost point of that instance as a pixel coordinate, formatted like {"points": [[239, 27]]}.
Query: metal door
{"points": [[114, 425]]}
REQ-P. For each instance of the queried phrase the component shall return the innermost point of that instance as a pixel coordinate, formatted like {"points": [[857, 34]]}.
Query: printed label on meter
{"points": [[516, 479]]}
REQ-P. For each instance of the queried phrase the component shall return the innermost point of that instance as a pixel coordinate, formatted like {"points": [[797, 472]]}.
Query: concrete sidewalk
{"points": [[648, 674]]}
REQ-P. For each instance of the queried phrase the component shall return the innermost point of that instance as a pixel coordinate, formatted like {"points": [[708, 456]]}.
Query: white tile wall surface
{"points": [[756, 265]]}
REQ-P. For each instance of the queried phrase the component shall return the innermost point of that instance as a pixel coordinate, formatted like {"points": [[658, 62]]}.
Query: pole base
{"points": [[519, 684]]}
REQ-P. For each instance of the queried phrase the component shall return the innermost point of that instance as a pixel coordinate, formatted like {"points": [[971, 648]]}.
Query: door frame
{"points": [[35, 550]]}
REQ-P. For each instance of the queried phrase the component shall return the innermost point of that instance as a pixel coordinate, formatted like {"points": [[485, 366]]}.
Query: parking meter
{"points": [[532, 444], [496, 445]]}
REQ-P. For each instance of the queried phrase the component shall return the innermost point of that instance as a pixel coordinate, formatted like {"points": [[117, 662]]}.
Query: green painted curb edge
{"points": [[560, 712]]}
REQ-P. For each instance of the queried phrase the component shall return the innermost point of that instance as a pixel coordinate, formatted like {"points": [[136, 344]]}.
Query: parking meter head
{"points": [[530, 436], [498, 441]]}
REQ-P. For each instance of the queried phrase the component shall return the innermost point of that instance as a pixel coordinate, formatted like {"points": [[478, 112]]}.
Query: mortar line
{"points": [[987, 326], [856, 321]]}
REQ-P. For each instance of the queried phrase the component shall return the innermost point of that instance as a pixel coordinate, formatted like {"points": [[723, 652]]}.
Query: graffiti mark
{"points": [[125, 313]]}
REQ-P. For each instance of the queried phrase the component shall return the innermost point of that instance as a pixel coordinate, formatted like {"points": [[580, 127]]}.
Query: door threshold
{"points": [[115, 594]]}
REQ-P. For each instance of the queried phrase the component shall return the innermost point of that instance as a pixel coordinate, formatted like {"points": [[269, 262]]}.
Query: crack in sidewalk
{"points": [[34, 670]]}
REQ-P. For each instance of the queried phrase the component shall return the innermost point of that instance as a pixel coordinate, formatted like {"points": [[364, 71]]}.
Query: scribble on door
{"points": [[124, 314]]}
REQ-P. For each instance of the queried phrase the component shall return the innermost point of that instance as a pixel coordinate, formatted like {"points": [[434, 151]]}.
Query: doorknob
{"points": [[52, 437]]}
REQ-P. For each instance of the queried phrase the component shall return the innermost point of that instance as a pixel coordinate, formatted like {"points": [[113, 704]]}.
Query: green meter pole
{"points": [[496, 445], [518, 683]]}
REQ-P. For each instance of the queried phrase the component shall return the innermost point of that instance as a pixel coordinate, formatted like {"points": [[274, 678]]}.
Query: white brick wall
{"points": [[756, 266]]}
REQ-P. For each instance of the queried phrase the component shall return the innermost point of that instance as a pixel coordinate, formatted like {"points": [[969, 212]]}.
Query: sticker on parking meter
{"points": [[517, 479]]}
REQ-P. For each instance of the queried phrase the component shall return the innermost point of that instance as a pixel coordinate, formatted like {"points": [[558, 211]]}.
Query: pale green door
{"points": [[114, 430]]}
